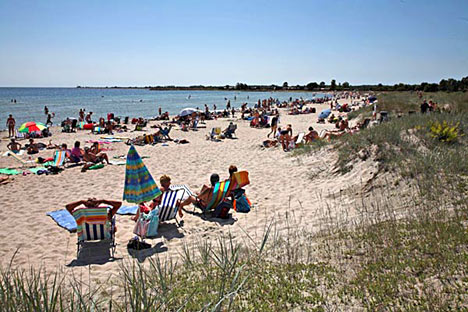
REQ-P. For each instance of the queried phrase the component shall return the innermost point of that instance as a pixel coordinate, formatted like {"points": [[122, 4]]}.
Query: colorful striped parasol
{"points": [[139, 184], [31, 126]]}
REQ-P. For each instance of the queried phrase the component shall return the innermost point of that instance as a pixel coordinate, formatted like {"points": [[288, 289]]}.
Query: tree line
{"points": [[446, 85]]}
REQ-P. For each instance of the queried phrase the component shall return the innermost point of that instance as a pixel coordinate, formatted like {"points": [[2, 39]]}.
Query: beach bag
{"points": [[153, 223], [222, 210], [147, 224], [241, 202], [141, 226]]}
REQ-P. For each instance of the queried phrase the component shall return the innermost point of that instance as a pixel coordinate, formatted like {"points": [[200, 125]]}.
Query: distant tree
{"points": [[285, 84], [312, 86], [241, 86], [333, 84], [345, 84], [431, 87], [322, 84]]}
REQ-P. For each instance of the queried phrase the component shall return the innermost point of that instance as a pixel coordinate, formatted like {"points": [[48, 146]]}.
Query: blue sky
{"points": [[138, 43]]}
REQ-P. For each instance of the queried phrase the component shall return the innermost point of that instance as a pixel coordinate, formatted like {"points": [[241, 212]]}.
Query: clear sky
{"points": [[170, 42]]}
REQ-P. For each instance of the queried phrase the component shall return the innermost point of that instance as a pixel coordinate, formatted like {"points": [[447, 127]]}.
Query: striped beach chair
{"points": [[220, 191], [92, 224], [168, 207], [59, 158]]}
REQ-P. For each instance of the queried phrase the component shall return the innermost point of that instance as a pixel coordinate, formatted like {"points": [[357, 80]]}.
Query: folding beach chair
{"points": [[300, 139], [215, 132], [19, 135], [92, 224], [168, 207], [220, 191], [58, 162], [59, 158], [230, 131]]}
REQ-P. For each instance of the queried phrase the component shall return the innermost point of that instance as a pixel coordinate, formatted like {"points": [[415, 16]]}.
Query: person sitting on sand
{"points": [[76, 153], [14, 146], [109, 127], [94, 203], [65, 149], [93, 159], [32, 147], [311, 136], [95, 149]]}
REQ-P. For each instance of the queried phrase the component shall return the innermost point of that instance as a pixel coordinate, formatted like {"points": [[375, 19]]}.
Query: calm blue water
{"points": [[66, 102]]}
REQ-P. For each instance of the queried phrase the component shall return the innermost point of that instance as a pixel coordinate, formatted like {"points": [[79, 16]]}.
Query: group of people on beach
{"points": [[200, 199]]}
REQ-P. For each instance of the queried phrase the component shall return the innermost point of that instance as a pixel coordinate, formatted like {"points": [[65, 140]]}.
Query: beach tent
{"points": [[188, 111], [139, 184], [325, 113]]}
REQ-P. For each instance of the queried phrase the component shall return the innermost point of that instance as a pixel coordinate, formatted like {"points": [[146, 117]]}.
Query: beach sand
{"points": [[281, 186]]}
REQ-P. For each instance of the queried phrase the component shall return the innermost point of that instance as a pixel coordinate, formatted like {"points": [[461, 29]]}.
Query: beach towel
{"points": [[63, 219], [9, 171], [97, 166], [7, 153], [37, 169], [184, 187], [117, 163], [127, 210]]}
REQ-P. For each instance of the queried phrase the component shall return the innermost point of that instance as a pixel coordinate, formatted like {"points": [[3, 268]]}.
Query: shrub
{"points": [[445, 132]]}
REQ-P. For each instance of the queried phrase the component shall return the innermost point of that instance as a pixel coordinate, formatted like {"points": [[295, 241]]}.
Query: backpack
{"points": [[222, 210], [241, 202]]}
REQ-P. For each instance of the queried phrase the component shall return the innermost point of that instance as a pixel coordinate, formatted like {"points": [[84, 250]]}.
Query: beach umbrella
{"points": [[324, 114], [139, 184], [188, 111], [31, 126]]}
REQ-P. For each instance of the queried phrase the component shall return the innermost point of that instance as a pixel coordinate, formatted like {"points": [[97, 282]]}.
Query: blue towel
{"points": [[127, 210], [64, 219]]}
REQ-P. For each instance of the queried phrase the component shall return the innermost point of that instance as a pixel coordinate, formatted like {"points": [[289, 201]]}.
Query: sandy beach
{"points": [[281, 185]]}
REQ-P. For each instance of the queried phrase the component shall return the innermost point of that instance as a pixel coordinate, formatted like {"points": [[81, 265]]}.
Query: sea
{"points": [[66, 102]]}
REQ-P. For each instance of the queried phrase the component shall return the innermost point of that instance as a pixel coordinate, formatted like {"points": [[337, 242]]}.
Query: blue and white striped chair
{"points": [[168, 208]]}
